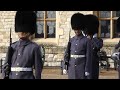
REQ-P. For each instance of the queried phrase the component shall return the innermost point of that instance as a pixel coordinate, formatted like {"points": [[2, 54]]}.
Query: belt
{"points": [[77, 56], [20, 69]]}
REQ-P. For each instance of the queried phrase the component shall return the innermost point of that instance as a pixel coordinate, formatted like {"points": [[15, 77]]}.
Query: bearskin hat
{"points": [[77, 21], [92, 24], [25, 21], [118, 24]]}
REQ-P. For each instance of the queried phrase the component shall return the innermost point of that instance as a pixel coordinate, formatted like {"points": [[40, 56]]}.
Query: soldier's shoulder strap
{"points": [[72, 38], [15, 42]]}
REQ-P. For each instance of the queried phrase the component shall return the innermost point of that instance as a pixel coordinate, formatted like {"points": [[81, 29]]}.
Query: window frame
{"points": [[45, 20], [111, 18]]}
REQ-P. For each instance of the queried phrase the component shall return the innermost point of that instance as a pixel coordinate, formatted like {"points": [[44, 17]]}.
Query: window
{"points": [[108, 27], [46, 24]]}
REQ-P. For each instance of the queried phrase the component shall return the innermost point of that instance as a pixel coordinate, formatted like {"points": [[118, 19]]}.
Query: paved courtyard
{"points": [[55, 73]]}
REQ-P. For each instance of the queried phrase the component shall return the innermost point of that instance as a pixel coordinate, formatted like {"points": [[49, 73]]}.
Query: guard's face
{"points": [[23, 35], [78, 32]]}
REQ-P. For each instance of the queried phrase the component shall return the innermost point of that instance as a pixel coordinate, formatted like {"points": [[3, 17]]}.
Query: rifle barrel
{"points": [[10, 37]]}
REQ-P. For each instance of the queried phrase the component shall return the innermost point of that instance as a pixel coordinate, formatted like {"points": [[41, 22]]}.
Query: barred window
{"points": [[46, 24]]}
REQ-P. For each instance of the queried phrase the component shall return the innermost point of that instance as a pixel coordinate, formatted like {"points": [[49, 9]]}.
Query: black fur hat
{"points": [[77, 21], [92, 24], [25, 21], [118, 24]]}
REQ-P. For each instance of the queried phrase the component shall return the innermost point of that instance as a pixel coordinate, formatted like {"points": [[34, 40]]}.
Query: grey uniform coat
{"points": [[97, 44], [26, 54], [78, 66]]}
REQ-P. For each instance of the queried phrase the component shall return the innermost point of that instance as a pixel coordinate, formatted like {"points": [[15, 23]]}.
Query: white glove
{"points": [[87, 73], [64, 71]]}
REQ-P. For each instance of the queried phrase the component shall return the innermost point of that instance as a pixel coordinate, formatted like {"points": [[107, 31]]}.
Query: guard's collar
{"points": [[23, 42], [79, 37]]}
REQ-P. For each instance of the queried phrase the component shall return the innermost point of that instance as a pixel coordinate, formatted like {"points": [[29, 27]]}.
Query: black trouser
{"points": [[95, 68]]}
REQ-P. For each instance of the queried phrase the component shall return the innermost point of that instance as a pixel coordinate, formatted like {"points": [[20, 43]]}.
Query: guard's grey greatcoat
{"points": [[97, 44], [26, 54], [78, 66]]}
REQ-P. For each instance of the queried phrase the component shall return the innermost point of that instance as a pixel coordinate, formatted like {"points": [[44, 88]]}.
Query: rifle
{"points": [[68, 52], [8, 59]]}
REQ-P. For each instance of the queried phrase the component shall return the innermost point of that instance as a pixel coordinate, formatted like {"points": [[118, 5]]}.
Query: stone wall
{"points": [[54, 55], [6, 22]]}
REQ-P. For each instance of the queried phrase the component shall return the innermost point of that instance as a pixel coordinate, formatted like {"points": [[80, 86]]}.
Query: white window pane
{"points": [[51, 29]]}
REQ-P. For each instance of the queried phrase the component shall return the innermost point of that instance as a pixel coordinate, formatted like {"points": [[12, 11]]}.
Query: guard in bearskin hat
{"points": [[26, 53], [92, 26], [78, 53]]}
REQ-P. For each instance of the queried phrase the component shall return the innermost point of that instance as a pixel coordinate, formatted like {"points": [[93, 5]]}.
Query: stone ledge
{"points": [[3, 49]]}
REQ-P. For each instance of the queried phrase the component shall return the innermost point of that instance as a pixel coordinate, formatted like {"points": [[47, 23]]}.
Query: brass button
{"points": [[17, 63], [16, 74]]}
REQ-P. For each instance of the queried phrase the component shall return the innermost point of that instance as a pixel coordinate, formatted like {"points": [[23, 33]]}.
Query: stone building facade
{"points": [[54, 47]]}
